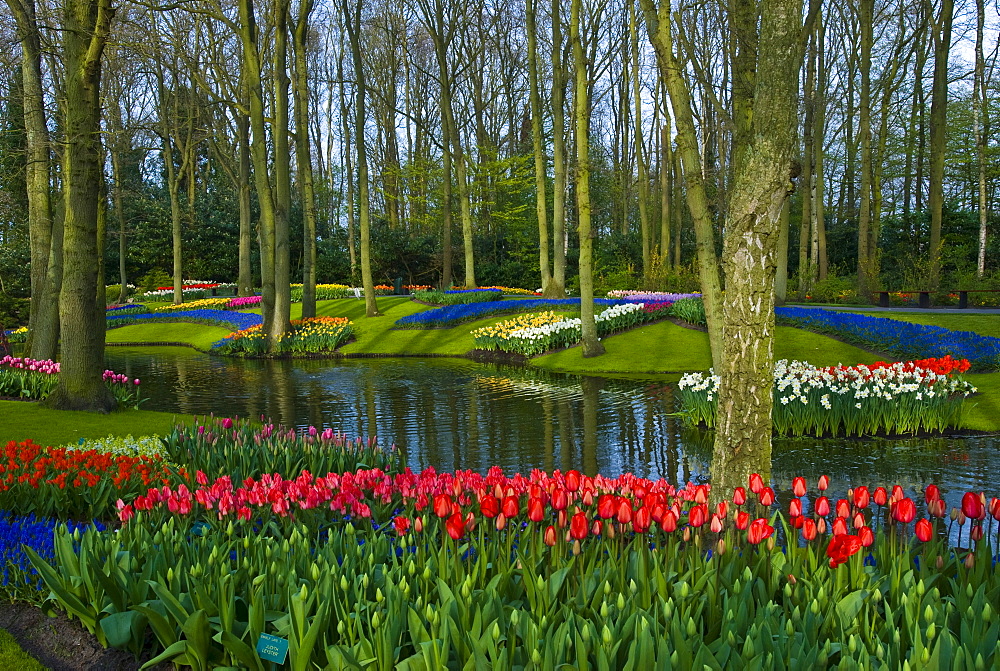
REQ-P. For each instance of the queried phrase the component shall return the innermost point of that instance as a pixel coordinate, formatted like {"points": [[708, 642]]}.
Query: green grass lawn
{"points": [[22, 420], [199, 336]]}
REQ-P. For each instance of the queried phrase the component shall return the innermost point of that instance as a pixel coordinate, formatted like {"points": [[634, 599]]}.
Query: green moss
{"points": [[199, 336], [23, 420], [12, 656]]}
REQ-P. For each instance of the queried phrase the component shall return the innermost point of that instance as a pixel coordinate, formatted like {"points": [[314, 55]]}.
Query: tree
{"points": [[941, 32], [45, 237], [86, 26], [303, 159], [581, 116]]}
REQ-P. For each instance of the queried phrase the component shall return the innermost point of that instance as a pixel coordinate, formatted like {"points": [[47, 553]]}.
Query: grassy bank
{"points": [[25, 419], [199, 336]]}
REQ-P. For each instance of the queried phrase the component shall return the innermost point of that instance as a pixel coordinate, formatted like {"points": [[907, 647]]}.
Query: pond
{"points": [[458, 414]]}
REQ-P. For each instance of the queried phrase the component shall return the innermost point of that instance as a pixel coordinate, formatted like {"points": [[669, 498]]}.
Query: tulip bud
{"points": [[720, 547], [576, 548], [970, 561], [976, 532], [792, 579], [940, 562]]}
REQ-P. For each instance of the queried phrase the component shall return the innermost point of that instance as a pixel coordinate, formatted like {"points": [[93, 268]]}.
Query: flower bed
{"points": [[16, 336], [225, 318], [457, 296], [34, 379], [218, 303], [519, 571], [20, 579], [530, 335], [507, 291], [126, 309], [324, 292], [312, 335], [450, 315], [650, 296], [897, 338], [898, 398]]}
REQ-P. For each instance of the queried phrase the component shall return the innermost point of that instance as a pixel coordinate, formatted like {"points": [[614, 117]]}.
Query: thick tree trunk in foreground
{"points": [[558, 286], [762, 183], [81, 382], [45, 242], [303, 160], [541, 211], [581, 115]]}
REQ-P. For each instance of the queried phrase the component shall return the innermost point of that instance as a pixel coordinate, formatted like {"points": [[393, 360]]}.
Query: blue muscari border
{"points": [[904, 340], [452, 314], [36, 533], [227, 318]]}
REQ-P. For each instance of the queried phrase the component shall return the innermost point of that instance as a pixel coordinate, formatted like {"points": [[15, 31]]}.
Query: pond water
{"points": [[458, 414]]}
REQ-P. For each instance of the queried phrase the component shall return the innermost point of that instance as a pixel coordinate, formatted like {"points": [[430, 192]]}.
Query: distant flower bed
{"points": [[313, 335], [191, 289], [457, 296], [36, 379], [121, 446], [647, 296], [324, 292], [126, 309], [897, 398], [530, 335], [218, 303], [900, 339], [17, 335], [451, 315], [509, 291], [230, 319]]}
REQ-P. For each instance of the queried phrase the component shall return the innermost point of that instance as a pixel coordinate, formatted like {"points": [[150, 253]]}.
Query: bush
{"points": [[835, 290], [153, 279], [14, 312]]}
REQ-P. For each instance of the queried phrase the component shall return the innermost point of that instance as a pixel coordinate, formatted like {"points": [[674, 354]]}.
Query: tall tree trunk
{"points": [[640, 160], [781, 271], [281, 321], [558, 156], [245, 279], [866, 270], [581, 114], [43, 322], [447, 272], [541, 209], [939, 105], [807, 263], [352, 20], [86, 24], [658, 26], [303, 160], [116, 172], [259, 156], [348, 170], [666, 189], [819, 135], [979, 112], [743, 436]]}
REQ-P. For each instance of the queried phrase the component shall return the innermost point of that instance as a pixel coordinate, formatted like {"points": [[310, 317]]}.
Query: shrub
{"points": [[13, 311]]}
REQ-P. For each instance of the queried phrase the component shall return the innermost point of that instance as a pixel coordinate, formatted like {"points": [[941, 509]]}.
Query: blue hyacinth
{"points": [[17, 531], [236, 321]]}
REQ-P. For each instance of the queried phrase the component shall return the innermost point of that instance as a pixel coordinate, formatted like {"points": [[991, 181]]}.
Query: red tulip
{"points": [[861, 497], [904, 511], [839, 526], [995, 508], [511, 507], [799, 486], [756, 483], [559, 499], [595, 527], [932, 493], [859, 521], [796, 521], [766, 496], [808, 529], [716, 524], [641, 520], [841, 548], [442, 505], [972, 506], [936, 507], [561, 518], [976, 532], [759, 530], [866, 536], [536, 509], [501, 522], [418, 525], [822, 506], [701, 494], [879, 496], [722, 509], [897, 493], [742, 520], [573, 480], [550, 536], [489, 506], [739, 496], [843, 508], [923, 529], [606, 506], [795, 508], [402, 524], [824, 482], [579, 527], [455, 526], [697, 515], [624, 511], [669, 522]]}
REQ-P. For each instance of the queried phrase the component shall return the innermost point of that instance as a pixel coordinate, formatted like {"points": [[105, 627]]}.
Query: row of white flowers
{"points": [[861, 400], [532, 340]]}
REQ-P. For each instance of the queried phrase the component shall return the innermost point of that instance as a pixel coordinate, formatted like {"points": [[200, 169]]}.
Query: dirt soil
{"points": [[62, 644]]}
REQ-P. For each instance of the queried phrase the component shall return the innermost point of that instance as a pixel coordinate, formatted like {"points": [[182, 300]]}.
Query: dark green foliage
{"points": [[13, 311]]}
